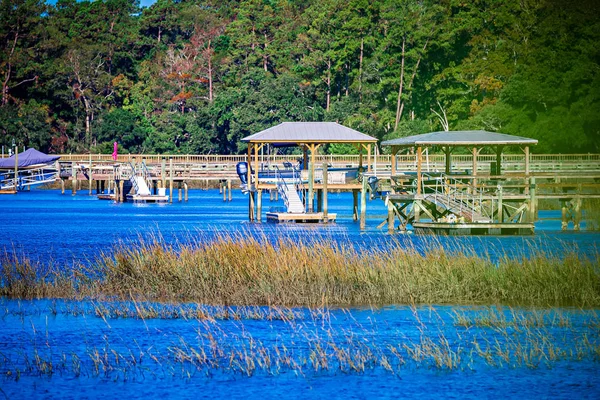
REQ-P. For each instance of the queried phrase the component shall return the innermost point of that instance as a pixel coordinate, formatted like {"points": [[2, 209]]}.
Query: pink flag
{"points": [[114, 155]]}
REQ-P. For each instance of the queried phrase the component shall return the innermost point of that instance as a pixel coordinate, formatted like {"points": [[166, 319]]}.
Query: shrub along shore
{"points": [[236, 270]]}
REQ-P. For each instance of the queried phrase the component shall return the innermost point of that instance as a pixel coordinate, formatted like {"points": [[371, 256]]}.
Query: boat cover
{"points": [[28, 157]]}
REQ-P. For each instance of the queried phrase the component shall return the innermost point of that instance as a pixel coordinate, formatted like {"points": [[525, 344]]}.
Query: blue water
{"points": [[45, 225], [96, 354]]}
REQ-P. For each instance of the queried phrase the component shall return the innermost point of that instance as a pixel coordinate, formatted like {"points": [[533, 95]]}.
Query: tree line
{"points": [[192, 76]]}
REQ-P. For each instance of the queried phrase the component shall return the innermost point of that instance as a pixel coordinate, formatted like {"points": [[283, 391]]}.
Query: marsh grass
{"points": [[248, 270], [314, 343]]}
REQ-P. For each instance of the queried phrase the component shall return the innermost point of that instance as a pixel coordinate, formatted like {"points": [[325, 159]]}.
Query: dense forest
{"points": [[195, 76]]}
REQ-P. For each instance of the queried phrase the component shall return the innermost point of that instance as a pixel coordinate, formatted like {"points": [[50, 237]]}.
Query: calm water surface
{"points": [[94, 354], [45, 225]]}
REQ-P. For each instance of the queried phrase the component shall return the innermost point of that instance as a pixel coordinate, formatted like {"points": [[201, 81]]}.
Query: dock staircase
{"points": [[289, 189], [139, 179], [455, 198]]}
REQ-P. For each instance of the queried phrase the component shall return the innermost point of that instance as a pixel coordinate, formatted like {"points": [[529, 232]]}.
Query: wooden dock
{"points": [[512, 196], [305, 218]]}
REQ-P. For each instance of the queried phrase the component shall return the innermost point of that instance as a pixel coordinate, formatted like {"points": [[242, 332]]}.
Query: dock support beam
{"points": [[259, 206], [363, 204], [185, 191], [73, 178], [532, 201], [251, 206], [163, 172], [324, 195], [355, 204], [170, 179], [390, 217], [500, 214], [90, 176]]}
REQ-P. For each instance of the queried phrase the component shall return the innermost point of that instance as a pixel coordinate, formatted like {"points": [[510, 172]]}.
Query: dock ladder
{"points": [[290, 189]]}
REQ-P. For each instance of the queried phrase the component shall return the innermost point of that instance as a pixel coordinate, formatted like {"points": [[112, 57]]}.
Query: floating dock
{"points": [[147, 198], [459, 229], [306, 218]]}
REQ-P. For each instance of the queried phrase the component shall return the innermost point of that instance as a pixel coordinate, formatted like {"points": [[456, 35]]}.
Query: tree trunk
{"points": [[8, 71], [328, 84], [265, 56], [399, 105], [210, 78], [412, 77], [360, 63]]}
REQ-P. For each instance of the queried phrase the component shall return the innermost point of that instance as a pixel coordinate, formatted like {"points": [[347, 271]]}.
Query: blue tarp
{"points": [[28, 157]]}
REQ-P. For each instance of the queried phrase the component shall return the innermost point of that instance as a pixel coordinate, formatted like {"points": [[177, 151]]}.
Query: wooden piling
{"points": [[564, 222], [90, 178], [390, 216], [223, 189], [251, 206], [577, 216], [170, 179], [311, 185], [229, 188], [185, 191], [121, 191], [73, 179], [532, 201], [16, 172], [259, 205], [363, 204], [500, 214], [62, 186], [355, 204], [179, 190], [325, 178], [163, 172]]}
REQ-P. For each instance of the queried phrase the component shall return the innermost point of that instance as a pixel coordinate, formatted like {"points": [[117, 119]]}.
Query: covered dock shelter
{"points": [[466, 201], [309, 136], [475, 141]]}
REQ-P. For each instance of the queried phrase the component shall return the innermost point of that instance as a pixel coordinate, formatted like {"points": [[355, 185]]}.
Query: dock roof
{"points": [[309, 132], [459, 138]]}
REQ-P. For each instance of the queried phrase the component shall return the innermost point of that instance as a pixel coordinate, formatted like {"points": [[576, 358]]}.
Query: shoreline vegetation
{"points": [[237, 270]]}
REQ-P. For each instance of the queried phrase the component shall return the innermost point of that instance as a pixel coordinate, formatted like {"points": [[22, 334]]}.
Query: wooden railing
{"points": [[433, 162]]}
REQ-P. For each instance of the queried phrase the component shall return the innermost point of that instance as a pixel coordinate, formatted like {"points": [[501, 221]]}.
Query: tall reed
{"points": [[245, 270]]}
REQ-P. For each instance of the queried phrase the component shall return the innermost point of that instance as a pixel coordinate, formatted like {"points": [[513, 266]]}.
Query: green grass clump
{"points": [[250, 271]]}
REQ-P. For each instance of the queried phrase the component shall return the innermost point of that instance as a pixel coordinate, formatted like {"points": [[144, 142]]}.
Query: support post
{"points": [[62, 186], [179, 190], [355, 204], [527, 160], [121, 190], [170, 179], [163, 172], [259, 205], [499, 160], [448, 160], [90, 176], [532, 201], [394, 160], [419, 169], [500, 206], [73, 179], [363, 204], [325, 178], [251, 206], [577, 216], [390, 216], [474, 172], [564, 222], [185, 191], [16, 177], [311, 183], [229, 188]]}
